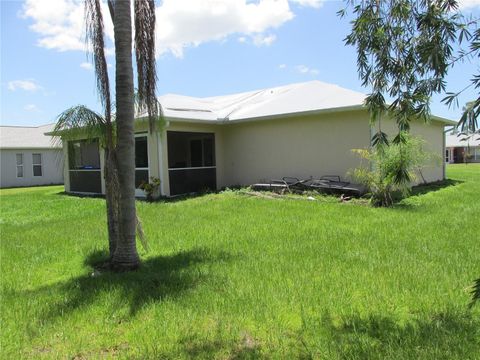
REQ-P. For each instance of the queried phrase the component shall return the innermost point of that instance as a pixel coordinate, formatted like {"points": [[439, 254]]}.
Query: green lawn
{"points": [[230, 276]]}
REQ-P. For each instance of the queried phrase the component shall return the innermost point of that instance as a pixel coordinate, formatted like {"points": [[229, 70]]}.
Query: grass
{"points": [[231, 276]]}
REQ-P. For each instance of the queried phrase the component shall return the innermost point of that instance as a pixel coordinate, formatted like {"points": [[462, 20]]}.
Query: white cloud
{"points": [[309, 3], [86, 66], [282, 66], [181, 23], [468, 4], [60, 23], [27, 85], [260, 40], [242, 39], [303, 69], [188, 23], [31, 108]]}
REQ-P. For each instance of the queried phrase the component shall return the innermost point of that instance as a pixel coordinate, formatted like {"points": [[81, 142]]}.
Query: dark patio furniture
{"points": [[333, 183]]}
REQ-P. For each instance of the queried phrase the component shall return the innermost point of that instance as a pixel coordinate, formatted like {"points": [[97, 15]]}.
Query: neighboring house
{"points": [[28, 157], [458, 146], [301, 130]]}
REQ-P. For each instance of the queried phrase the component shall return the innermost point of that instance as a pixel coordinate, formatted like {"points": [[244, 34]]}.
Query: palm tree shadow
{"points": [[445, 335], [157, 279]]}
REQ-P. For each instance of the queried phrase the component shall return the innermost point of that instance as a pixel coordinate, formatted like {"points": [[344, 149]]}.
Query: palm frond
{"points": [[79, 122], [145, 56], [95, 36]]}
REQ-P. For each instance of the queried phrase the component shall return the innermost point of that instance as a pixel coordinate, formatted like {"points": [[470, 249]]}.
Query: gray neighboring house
{"points": [[28, 157], [457, 146]]}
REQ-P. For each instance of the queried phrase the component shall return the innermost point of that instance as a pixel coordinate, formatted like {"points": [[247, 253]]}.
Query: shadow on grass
{"points": [[81, 195], [419, 190], [435, 186], [162, 199], [442, 336], [157, 279]]}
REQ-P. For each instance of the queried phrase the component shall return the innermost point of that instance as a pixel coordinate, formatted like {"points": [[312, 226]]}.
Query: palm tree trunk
{"points": [[111, 199], [126, 256]]}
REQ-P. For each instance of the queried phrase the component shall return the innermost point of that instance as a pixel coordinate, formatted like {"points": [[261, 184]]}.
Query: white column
{"points": [[66, 167], [102, 165]]}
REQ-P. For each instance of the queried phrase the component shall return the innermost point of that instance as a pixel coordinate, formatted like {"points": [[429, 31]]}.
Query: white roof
{"points": [[289, 100], [281, 100], [454, 139], [26, 137]]}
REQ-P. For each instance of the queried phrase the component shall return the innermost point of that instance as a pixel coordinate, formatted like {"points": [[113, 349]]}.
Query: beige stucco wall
{"points": [[433, 135], [299, 146], [52, 167]]}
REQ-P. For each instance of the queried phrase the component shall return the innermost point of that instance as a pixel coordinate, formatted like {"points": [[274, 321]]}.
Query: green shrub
{"points": [[393, 168]]}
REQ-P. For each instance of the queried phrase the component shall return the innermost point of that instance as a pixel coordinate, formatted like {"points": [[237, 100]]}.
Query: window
{"points": [[37, 164], [83, 155], [19, 165], [447, 155], [477, 153]]}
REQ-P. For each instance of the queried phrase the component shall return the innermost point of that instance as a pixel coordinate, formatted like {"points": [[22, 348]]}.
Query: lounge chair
{"points": [[333, 183]]}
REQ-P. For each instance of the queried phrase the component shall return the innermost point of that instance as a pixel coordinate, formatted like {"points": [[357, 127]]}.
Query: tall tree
{"points": [[120, 149], [125, 256], [405, 49]]}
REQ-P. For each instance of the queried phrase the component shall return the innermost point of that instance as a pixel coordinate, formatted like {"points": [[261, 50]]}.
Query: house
{"points": [[457, 146], [302, 130], [28, 157]]}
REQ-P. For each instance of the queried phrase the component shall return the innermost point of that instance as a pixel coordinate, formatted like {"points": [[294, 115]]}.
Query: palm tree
{"points": [[120, 151], [125, 255]]}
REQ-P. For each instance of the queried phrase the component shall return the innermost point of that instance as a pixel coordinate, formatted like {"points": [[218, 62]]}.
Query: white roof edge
{"points": [[30, 147], [27, 126], [191, 120], [298, 113], [220, 121], [447, 122]]}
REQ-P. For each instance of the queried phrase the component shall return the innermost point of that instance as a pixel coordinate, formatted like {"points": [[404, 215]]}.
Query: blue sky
{"points": [[205, 48]]}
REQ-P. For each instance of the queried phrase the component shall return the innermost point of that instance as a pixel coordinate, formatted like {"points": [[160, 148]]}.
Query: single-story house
{"points": [[302, 130], [29, 157], [457, 146]]}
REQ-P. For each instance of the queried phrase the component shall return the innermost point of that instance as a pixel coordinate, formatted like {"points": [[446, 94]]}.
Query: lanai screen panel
{"points": [[191, 162], [84, 167]]}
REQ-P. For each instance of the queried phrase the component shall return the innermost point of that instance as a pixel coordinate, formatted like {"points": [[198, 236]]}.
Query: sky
{"points": [[204, 48]]}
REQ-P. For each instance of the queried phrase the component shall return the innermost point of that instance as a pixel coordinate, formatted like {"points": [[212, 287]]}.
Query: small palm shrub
{"points": [[151, 188], [388, 169]]}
